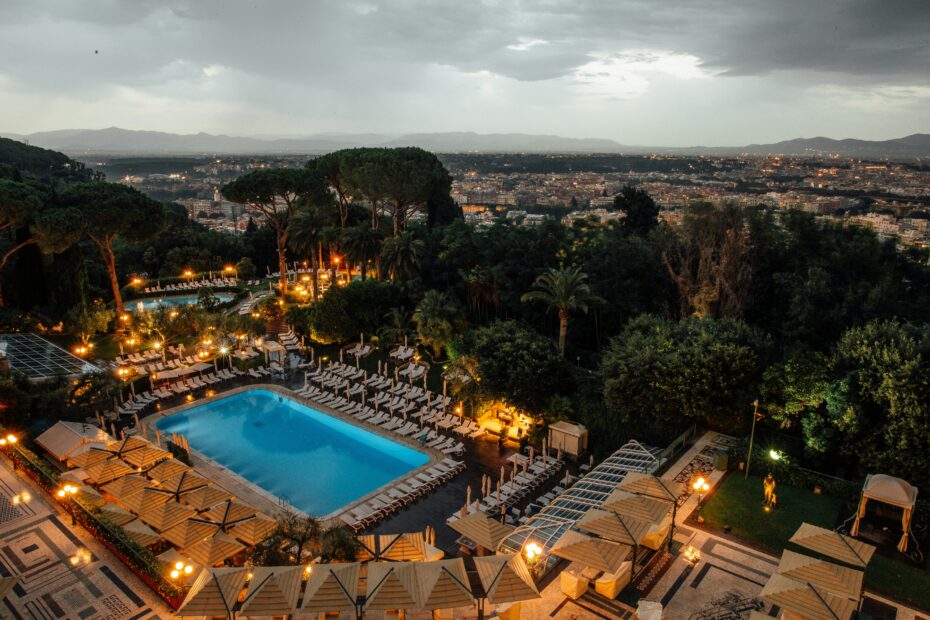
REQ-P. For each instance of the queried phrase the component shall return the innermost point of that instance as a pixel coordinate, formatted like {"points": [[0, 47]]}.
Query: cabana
{"points": [[618, 528], [63, 440], [214, 593], [652, 511], [833, 545], [273, 591], [598, 554], [274, 351], [331, 588], [570, 437], [888, 490]]}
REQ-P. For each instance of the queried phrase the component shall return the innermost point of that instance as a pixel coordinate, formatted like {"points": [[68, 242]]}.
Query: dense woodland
{"points": [[634, 329]]}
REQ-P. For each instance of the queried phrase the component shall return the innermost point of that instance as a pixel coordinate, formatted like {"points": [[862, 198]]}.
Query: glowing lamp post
{"points": [[700, 485], [532, 552], [181, 570], [8, 440], [69, 490]]}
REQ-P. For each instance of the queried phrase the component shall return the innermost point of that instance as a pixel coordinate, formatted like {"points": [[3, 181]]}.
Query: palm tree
{"points": [[566, 290], [435, 317], [331, 236], [306, 236], [396, 325], [402, 255], [362, 244]]}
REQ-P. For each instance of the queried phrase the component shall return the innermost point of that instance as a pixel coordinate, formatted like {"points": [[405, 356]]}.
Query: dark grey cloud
{"points": [[367, 58]]}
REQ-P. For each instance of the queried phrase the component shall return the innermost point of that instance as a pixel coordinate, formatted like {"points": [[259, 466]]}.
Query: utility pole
{"points": [[752, 435]]}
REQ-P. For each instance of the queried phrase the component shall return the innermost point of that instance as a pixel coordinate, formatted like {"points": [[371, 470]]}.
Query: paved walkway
{"points": [[64, 573]]}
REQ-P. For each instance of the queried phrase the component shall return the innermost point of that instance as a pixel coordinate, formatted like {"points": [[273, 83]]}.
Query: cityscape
{"points": [[431, 310]]}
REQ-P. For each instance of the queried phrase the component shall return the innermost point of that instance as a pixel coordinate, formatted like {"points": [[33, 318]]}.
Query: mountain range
{"points": [[117, 141]]}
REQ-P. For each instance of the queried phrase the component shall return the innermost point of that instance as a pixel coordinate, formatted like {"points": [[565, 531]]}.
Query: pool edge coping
{"points": [[434, 456]]}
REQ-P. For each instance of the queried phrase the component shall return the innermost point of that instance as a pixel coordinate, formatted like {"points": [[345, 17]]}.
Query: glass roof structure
{"points": [[546, 527], [37, 358]]}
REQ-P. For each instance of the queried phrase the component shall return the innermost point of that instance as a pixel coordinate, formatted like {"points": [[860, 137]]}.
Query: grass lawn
{"points": [[737, 503]]}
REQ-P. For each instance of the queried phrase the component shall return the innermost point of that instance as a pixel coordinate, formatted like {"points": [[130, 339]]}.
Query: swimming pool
{"points": [[151, 303], [315, 462]]}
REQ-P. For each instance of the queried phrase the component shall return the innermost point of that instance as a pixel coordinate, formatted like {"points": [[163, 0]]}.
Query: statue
{"points": [[768, 486]]}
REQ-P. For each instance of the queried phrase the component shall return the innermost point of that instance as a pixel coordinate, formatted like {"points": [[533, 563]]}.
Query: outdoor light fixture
{"points": [[700, 485], [156, 346], [124, 317], [173, 314], [68, 489], [9, 439], [532, 551], [229, 268], [775, 455], [188, 273], [80, 350], [137, 281], [224, 350]]}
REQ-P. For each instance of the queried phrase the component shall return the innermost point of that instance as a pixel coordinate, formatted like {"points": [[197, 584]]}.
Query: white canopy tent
{"points": [[888, 490]]}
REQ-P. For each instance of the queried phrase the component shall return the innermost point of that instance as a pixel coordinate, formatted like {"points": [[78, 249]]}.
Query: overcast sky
{"points": [[642, 72]]}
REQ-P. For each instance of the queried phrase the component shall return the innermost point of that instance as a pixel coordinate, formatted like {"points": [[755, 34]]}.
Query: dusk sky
{"points": [[642, 72]]}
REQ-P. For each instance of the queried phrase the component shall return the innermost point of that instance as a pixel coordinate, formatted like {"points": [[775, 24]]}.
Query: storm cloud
{"points": [[638, 71]]}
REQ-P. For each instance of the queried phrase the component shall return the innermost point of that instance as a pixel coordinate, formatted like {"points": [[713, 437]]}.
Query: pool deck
{"points": [[260, 498]]}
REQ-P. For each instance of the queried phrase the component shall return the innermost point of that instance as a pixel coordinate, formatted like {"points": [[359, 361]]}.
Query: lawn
{"points": [[737, 504]]}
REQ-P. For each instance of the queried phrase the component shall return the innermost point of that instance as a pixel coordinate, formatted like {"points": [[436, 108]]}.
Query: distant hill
{"points": [[116, 141], [909, 147], [39, 162]]}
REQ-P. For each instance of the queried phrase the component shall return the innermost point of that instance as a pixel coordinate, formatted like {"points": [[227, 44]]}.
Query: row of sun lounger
{"points": [[522, 485], [193, 284], [249, 304], [385, 420], [399, 495]]}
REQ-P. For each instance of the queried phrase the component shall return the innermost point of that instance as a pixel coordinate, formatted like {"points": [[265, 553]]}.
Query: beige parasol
{"points": [[107, 471], [214, 592], [273, 591], [806, 600], [141, 533], [481, 529], [443, 584], [166, 470], [146, 456], [205, 497], [331, 588], [125, 486], [506, 578], [391, 585], [213, 550], [188, 533], [115, 514], [254, 529], [823, 575], [166, 516], [143, 501], [596, 553], [833, 544]]}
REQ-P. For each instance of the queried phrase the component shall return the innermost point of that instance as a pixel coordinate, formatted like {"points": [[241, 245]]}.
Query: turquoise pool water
{"points": [[315, 462], [150, 303]]}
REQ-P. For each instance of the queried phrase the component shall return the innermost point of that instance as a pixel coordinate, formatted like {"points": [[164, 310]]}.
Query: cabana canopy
{"points": [[331, 587], [214, 593], [443, 584], [63, 439], [888, 490], [840, 580], [391, 585], [600, 554], [481, 529], [273, 591], [833, 545], [806, 600], [506, 578]]}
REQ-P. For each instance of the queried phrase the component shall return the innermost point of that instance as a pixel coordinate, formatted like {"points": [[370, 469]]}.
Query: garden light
{"points": [[775, 455]]}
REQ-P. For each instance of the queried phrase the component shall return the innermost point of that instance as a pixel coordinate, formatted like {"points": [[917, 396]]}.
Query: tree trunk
{"points": [[7, 256], [314, 276], [374, 215], [563, 330], [282, 262], [106, 253]]}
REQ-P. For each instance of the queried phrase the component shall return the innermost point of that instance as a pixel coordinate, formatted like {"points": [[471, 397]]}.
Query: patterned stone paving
{"points": [[63, 573]]}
